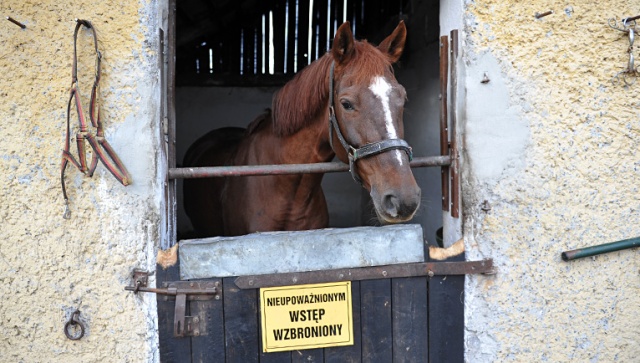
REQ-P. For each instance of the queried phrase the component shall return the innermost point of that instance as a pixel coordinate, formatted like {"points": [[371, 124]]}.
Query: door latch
{"points": [[180, 291]]}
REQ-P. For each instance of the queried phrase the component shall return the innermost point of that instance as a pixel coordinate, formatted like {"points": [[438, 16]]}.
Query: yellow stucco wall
{"points": [[50, 266], [574, 183]]}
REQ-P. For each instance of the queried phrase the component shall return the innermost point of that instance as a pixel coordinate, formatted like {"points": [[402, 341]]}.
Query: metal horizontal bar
{"points": [[253, 170], [600, 249], [367, 273]]}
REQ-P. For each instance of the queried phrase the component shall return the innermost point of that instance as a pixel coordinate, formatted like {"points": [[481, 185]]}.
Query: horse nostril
{"points": [[390, 204]]}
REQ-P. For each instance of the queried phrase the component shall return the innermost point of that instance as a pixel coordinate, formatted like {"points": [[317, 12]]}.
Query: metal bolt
{"points": [[250, 282], [191, 284], [217, 297], [430, 273], [16, 22], [542, 15], [384, 273], [196, 320], [196, 333]]}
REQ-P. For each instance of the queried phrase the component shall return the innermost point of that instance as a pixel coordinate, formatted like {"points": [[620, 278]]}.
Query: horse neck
{"points": [[308, 145], [264, 145]]}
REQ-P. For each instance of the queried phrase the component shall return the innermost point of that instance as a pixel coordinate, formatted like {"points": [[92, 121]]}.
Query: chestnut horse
{"points": [[346, 104]]}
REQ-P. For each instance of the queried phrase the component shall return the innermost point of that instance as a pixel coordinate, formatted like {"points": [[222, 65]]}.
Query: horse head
{"points": [[366, 110]]}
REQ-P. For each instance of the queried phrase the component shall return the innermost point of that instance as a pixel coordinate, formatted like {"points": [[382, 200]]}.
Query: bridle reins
{"points": [[367, 150]]}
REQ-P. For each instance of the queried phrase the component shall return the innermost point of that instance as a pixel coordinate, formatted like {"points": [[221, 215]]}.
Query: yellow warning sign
{"points": [[306, 316]]}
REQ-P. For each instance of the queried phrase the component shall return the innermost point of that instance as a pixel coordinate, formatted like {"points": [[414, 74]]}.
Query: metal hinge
{"points": [[180, 291]]}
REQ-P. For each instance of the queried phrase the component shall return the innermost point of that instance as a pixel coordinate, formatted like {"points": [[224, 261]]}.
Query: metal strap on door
{"points": [[181, 291]]}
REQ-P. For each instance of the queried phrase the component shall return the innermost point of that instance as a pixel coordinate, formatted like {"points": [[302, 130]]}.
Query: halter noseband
{"points": [[364, 151]]}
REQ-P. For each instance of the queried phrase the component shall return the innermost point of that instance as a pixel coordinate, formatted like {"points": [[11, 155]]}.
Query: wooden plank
{"points": [[273, 357], [240, 323], [209, 345], [446, 317], [351, 353], [171, 349], [410, 320], [375, 320], [307, 356]]}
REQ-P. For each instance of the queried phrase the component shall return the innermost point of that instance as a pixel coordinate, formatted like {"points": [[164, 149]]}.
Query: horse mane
{"points": [[297, 103], [258, 121]]}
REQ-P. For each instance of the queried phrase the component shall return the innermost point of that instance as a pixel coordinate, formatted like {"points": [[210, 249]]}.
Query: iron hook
{"points": [[16, 22], [542, 15]]}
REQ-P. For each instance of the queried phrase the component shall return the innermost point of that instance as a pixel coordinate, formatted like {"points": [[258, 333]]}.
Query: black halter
{"points": [[366, 150]]}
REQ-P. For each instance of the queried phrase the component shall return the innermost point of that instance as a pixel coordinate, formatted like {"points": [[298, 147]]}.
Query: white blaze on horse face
{"points": [[381, 89]]}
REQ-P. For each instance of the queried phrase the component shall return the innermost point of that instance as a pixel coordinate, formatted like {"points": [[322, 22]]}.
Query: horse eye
{"points": [[346, 105]]}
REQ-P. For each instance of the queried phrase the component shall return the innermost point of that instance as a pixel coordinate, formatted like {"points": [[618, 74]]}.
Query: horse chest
{"points": [[274, 203]]}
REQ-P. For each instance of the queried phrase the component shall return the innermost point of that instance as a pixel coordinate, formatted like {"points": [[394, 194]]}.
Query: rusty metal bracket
{"points": [[181, 292], [367, 273]]}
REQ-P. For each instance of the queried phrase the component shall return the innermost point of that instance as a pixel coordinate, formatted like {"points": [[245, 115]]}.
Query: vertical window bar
{"points": [[255, 51], [335, 19], [344, 11], [317, 41], [210, 60], [241, 51], [286, 35], [329, 24], [263, 45], [353, 22], [310, 32], [271, 45], [295, 49]]}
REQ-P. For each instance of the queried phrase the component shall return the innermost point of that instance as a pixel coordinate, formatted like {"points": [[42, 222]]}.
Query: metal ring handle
{"points": [[72, 322]]}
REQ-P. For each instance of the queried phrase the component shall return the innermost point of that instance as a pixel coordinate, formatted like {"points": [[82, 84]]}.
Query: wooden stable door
{"points": [[408, 319]]}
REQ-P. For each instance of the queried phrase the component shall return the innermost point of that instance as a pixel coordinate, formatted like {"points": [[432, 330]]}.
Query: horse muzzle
{"points": [[396, 206]]}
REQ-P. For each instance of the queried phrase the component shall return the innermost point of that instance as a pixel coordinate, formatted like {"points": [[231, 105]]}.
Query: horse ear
{"points": [[393, 45], [342, 48]]}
